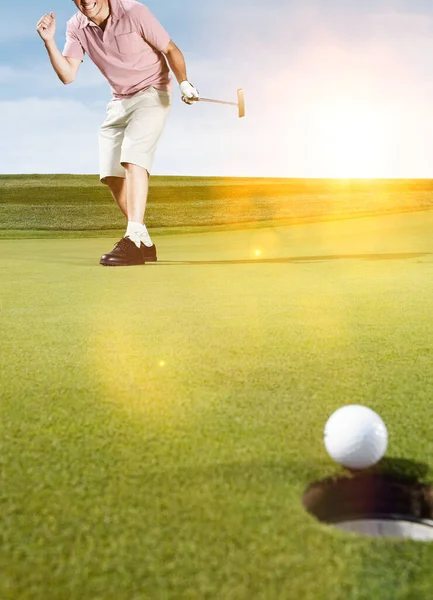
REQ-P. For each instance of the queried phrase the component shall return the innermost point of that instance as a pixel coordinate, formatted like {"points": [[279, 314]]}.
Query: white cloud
{"points": [[49, 136]]}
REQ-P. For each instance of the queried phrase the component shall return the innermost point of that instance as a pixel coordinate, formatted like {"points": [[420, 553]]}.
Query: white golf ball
{"points": [[356, 437]]}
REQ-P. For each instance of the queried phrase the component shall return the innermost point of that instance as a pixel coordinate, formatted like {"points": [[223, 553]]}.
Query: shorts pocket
{"points": [[129, 43], [163, 95]]}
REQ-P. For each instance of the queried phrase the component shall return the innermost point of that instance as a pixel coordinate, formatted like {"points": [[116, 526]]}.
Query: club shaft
{"points": [[217, 101]]}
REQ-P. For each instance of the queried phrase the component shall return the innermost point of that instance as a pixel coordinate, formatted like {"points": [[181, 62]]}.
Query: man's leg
{"points": [[129, 250], [137, 188], [117, 187], [130, 193]]}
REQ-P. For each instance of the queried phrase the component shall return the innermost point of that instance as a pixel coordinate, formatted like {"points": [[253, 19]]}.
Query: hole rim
{"points": [[370, 496]]}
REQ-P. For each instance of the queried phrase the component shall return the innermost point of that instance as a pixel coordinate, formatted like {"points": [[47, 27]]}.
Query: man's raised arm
{"points": [[65, 68]]}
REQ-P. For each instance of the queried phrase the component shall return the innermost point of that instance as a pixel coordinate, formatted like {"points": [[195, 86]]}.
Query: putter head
{"points": [[241, 103]]}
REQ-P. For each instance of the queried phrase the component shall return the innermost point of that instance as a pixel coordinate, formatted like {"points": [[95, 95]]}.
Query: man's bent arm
{"points": [[65, 68], [176, 61]]}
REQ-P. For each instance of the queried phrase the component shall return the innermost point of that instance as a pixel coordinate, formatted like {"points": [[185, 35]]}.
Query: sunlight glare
{"points": [[353, 140]]}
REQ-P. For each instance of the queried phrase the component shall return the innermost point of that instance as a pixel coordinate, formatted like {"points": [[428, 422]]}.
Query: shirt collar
{"points": [[116, 12]]}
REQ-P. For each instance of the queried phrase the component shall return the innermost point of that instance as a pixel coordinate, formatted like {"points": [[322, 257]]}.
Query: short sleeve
{"points": [[73, 47], [151, 29]]}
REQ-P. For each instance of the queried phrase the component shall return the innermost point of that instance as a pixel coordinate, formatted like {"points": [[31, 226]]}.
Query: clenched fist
{"points": [[46, 27], [189, 93]]}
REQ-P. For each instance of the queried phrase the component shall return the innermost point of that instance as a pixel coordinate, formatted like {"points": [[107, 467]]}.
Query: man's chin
{"points": [[90, 11]]}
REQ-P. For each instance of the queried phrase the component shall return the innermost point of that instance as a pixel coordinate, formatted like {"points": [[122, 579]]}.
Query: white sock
{"points": [[138, 233]]}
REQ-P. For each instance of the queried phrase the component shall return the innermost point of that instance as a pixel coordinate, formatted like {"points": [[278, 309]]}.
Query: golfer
{"points": [[130, 47]]}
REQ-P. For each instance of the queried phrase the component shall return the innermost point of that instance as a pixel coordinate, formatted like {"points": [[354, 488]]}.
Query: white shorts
{"points": [[131, 131]]}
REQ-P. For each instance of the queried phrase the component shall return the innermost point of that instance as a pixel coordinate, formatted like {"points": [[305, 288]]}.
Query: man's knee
{"points": [[112, 181]]}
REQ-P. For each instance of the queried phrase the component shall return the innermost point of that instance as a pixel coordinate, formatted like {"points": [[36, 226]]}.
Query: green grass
{"points": [[123, 478], [65, 203]]}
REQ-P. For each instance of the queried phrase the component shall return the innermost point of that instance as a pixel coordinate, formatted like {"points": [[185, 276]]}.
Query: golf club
{"points": [[240, 103]]}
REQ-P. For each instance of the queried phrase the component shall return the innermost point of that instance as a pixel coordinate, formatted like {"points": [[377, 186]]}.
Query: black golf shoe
{"points": [[125, 254]]}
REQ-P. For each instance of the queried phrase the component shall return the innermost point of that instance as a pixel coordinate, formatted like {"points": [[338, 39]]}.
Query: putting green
{"points": [[159, 424]]}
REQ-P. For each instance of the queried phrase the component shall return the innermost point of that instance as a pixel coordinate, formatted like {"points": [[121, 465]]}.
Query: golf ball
{"points": [[355, 437]]}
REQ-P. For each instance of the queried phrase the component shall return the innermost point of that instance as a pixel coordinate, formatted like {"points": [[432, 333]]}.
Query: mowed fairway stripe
{"points": [[159, 424]]}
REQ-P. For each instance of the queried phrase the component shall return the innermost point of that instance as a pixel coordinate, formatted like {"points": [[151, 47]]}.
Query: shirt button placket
{"points": [[106, 30]]}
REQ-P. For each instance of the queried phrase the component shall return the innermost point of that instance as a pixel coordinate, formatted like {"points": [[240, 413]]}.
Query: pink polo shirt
{"points": [[128, 52]]}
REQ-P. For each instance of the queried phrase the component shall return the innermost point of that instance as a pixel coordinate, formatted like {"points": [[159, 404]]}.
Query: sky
{"points": [[333, 88]]}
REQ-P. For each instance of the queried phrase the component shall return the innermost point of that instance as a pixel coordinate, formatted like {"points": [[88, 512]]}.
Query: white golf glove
{"points": [[188, 91]]}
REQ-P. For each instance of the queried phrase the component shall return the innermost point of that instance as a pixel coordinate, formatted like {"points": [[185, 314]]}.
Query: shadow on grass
{"points": [[402, 468], [299, 259]]}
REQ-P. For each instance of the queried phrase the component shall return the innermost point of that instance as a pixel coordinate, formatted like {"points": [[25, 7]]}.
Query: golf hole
{"points": [[374, 505]]}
